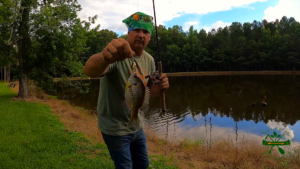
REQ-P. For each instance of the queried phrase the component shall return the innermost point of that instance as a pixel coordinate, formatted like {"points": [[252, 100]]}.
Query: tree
{"points": [[49, 38], [172, 56]]}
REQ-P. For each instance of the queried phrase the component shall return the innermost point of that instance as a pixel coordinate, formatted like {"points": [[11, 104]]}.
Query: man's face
{"points": [[138, 39]]}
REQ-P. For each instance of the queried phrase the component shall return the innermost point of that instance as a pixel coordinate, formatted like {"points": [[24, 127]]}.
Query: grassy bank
{"points": [[34, 136], [223, 154], [184, 154]]}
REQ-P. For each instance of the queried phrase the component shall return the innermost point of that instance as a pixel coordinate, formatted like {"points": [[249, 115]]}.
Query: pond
{"points": [[217, 106]]}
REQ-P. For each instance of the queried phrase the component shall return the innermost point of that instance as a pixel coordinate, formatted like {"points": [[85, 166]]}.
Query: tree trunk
{"points": [[8, 74], [5, 74], [1, 73], [23, 50]]}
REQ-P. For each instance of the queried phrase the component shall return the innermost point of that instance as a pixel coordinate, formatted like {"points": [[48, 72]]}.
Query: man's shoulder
{"points": [[148, 56]]}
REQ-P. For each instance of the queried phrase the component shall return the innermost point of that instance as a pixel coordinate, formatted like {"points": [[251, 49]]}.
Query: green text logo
{"points": [[275, 142]]}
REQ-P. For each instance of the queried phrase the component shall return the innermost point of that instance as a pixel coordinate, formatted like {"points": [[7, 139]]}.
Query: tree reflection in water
{"points": [[238, 97]]}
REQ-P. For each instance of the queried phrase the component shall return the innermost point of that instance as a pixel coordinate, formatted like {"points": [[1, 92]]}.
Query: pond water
{"points": [[217, 106]]}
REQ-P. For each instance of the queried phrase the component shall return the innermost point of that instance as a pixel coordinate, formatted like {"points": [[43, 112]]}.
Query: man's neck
{"points": [[139, 53]]}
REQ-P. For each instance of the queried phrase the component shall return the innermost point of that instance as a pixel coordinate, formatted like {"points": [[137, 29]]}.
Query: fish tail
{"points": [[134, 122]]}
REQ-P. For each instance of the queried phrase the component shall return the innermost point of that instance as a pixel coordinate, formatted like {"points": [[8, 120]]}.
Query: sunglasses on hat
{"points": [[138, 17]]}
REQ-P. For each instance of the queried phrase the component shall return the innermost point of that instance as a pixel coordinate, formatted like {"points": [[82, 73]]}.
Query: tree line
{"points": [[255, 46], [42, 40]]}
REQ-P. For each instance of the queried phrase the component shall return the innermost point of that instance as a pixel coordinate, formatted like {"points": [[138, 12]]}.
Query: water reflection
{"points": [[197, 130], [232, 96], [286, 129], [228, 99]]}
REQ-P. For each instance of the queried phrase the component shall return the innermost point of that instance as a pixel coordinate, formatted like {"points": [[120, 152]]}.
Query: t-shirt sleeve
{"points": [[112, 67]]}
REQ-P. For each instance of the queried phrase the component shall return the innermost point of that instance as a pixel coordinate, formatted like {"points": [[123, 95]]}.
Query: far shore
{"points": [[211, 73]]}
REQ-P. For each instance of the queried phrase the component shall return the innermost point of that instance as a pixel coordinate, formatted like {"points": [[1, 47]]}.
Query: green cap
{"points": [[144, 22]]}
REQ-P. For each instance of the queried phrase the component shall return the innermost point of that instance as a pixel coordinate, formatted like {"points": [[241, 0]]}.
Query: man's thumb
{"points": [[132, 53]]}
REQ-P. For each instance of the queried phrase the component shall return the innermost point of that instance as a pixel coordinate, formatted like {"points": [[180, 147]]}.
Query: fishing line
{"points": [[158, 57], [166, 139]]}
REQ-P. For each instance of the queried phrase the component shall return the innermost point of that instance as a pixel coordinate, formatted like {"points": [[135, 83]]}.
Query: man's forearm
{"points": [[96, 66]]}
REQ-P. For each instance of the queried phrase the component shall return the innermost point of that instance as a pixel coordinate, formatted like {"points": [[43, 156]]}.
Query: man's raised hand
{"points": [[117, 50]]}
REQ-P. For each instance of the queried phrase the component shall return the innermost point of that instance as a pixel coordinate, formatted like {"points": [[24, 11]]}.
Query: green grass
{"points": [[158, 162], [52, 97], [32, 137], [81, 108], [189, 144]]}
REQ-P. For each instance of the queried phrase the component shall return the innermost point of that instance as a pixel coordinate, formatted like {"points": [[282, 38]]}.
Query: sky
{"points": [[202, 14]]}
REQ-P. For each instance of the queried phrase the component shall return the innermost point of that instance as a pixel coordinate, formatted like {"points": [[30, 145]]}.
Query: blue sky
{"points": [[202, 14], [248, 13]]}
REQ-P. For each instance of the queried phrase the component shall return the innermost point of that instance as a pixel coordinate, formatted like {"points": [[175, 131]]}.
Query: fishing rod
{"points": [[159, 64], [162, 93]]}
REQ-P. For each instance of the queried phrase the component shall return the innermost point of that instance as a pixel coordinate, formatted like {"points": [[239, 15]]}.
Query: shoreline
{"points": [[222, 73], [209, 73], [184, 154]]}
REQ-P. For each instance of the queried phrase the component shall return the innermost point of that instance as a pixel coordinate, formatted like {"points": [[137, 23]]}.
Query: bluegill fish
{"points": [[137, 97]]}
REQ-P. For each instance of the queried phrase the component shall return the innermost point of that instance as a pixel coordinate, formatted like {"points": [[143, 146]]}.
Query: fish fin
{"points": [[125, 106], [145, 104], [134, 122]]}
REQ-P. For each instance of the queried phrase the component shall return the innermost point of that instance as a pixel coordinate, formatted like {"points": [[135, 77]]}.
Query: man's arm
{"points": [[116, 50], [96, 66]]}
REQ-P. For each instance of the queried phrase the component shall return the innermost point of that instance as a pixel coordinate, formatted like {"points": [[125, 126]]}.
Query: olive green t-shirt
{"points": [[113, 117]]}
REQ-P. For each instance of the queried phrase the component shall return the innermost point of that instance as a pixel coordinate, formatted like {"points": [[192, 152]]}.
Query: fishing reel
{"points": [[154, 77]]}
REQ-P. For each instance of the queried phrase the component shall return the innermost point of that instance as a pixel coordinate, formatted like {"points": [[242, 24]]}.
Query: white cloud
{"points": [[248, 7], [198, 27], [216, 25], [288, 8], [112, 12], [273, 124], [187, 25]]}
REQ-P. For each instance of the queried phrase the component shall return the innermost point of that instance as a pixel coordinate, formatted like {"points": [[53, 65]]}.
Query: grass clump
{"points": [[81, 108], [157, 161], [189, 144], [52, 97]]}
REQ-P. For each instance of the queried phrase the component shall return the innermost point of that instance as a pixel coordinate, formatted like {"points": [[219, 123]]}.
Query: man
{"points": [[127, 146]]}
